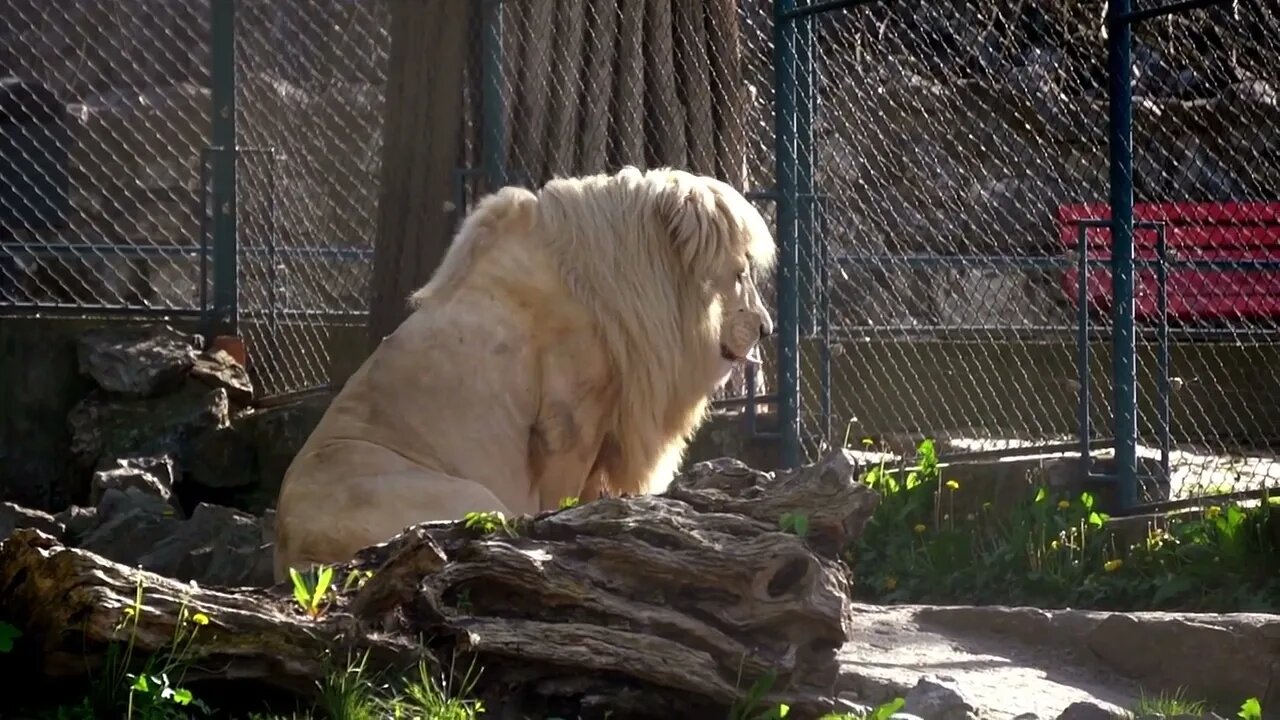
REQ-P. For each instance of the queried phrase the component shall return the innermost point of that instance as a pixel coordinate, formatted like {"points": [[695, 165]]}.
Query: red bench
{"points": [[1218, 232]]}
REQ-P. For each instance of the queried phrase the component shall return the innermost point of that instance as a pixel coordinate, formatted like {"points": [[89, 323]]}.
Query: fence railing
{"points": [[940, 165], [930, 170]]}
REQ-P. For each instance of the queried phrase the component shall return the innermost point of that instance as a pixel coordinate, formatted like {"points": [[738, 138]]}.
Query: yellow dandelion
{"points": [[1064, 504], [953, 485], [890, 582], [1112, 565], [1055, 545], [920, 528], [1213, 512], [200, 619]]}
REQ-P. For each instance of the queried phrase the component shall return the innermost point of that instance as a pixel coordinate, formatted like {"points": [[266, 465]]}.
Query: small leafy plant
{"points": [[356, 579], [487, 522], [794, 522], [354, 692], [922, 545], [311, 595], [152, 691]]}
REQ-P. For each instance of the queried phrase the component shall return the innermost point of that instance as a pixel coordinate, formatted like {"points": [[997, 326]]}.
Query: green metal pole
{"points": [[1124, 368], [222, 72]]}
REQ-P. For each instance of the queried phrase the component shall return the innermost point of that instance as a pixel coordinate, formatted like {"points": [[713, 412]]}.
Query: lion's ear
{"points": [[696, 219]]}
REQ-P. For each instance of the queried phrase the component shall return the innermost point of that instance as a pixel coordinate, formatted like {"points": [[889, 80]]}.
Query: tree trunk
{"points": [[654, 606], [422, 147]]}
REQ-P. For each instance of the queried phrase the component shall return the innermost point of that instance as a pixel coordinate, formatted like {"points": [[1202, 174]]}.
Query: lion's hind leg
{"points": [[372, 510]]}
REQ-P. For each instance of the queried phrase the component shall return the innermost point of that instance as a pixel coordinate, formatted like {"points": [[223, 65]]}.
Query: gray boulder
{"points": [[102, 427], [136, 361]]}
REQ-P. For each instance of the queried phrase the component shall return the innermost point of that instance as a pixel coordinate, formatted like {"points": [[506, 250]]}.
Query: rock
{"points": [[1221, 659], [217, 369], [14, 516], [155, 475], [938, 697], [78, 521], [223, 457], [136, 361], [101, 427], [134, 525], [132, 522], [278, 433], [848, 704], [268, 523], [216, 546], [1027, 716], [1085, 710]]}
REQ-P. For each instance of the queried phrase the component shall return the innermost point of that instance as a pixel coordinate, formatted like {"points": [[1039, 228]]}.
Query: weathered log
{"points": [[647, 606]]}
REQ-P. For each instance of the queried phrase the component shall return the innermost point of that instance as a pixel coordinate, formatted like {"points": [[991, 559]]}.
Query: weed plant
{"points": [[1057, 551]]}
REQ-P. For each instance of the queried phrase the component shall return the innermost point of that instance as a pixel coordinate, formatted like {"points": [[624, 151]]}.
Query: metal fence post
{"points": [[788, 326], [493, 121], [1124, 380], [222, 72]]}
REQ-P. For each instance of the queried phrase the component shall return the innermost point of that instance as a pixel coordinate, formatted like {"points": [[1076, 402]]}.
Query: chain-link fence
{"points": [[310, 90], [1206, 164], [941, 163], [960, 149], [108, 152], [104, 108], [132, 207]]}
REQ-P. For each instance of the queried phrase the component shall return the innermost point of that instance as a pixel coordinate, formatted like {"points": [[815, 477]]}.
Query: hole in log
{"points": [[787, 577]]}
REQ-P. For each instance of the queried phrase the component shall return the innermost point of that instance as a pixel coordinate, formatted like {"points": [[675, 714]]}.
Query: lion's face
{"points": [[726, 245], [745, 321]]}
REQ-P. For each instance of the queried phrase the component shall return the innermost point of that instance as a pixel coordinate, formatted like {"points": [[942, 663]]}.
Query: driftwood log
{"points": [[668, 605]]}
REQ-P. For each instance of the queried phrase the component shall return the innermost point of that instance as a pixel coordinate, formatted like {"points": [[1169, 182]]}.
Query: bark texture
{"points": [[422, 148]]}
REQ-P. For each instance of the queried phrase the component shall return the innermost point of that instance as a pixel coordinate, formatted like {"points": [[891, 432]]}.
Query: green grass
{"points": [[1056, 551], [1168, 705]]}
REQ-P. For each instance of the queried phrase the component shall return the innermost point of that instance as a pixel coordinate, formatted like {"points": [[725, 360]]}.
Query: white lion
{"points": [[566, 346]]}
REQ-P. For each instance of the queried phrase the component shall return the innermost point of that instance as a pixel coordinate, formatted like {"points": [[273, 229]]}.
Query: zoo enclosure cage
{"points": [[928, 174]]}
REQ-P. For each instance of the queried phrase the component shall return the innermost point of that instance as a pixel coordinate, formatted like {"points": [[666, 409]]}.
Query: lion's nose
{"points": [[766, 327]]}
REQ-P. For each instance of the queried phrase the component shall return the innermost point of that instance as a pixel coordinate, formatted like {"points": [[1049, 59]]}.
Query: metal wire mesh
{"points": [[956, 144], [310, 89], [106, 149], [947, 136], [104, 116], [1207, 166], [955, 153]]}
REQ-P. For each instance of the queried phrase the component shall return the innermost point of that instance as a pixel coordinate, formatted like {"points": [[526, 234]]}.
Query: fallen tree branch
{"points": [[642, 604]]}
